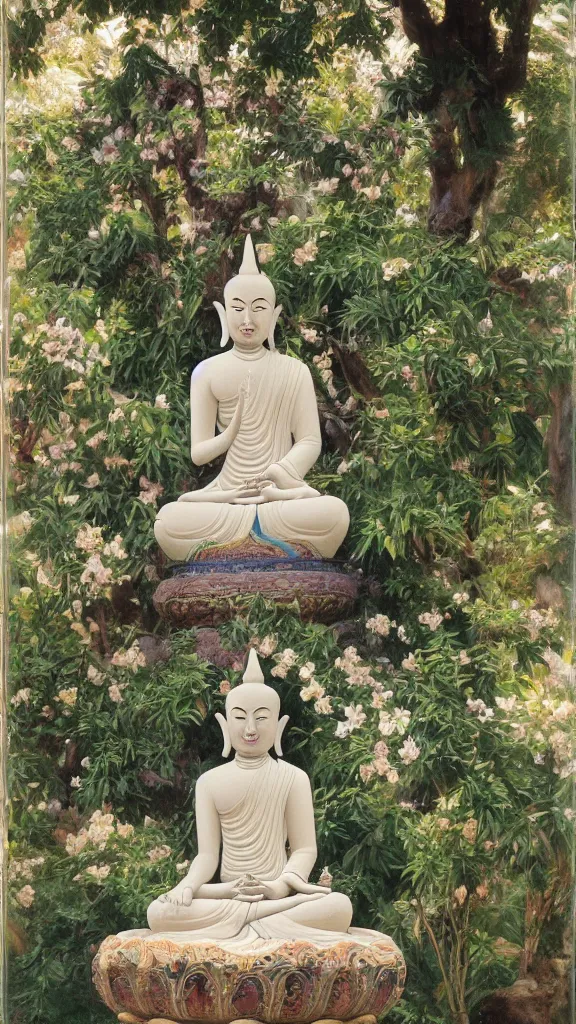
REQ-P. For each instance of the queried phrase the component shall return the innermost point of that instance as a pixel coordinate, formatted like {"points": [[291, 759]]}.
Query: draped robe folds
{"points": [[253, 842], [280, 408]]}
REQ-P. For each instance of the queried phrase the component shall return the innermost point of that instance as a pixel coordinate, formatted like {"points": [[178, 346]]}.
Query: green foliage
{"points": [[436, 724]]}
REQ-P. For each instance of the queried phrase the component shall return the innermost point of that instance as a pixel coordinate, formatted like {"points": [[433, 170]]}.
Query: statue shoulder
{"points": [[298, 777], [212, 777], [294, 364], [208, 367]]}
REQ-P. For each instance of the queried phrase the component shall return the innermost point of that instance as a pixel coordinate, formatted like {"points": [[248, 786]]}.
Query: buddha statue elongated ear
{"points": [[225, 734], [278, 739], [273, 323], [223, 323]]}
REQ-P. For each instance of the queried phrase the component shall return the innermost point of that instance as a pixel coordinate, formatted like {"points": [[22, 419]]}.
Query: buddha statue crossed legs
{"points": [[264, 407]]}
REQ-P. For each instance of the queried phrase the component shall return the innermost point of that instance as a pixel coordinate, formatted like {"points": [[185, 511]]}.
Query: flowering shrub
{"points": [[437, 724]]}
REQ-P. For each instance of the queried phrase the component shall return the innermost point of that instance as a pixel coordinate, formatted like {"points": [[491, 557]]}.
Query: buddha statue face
{"points": [[252, 712], [252, 724], [249, 304], [249, 313]]}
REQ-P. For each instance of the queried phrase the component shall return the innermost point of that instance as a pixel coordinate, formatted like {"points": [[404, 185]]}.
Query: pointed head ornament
{"points": [[249, 300], [253, 672]]}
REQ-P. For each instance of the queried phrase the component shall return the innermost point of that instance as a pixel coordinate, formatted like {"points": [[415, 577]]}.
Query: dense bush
{"points": [[436, 725]]}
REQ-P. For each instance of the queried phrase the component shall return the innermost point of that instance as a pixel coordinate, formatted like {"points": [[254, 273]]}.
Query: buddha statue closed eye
{"points": [[255, 822], [258, 408]]}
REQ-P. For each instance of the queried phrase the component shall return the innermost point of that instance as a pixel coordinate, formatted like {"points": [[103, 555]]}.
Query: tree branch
{"points": [[511, 75], [419, 25]]}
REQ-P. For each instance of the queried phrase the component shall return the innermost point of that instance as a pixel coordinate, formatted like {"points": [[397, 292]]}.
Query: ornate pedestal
{"points": [[286, 982], [222, 581]]}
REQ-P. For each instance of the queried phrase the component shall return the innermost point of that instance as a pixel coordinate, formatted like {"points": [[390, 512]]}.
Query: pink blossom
{"points": [[150, 492], [306, 254], [409, 751]]}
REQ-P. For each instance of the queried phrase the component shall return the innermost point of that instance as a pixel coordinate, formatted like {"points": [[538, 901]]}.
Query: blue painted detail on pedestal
{"points": [[232, 565], [259, 533]]}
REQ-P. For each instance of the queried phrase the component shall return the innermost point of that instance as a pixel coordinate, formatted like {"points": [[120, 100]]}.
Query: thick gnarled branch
{"points": [[511, 75]]}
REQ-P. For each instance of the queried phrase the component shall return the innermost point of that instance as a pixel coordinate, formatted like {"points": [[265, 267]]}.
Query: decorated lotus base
{"points": [[287, 982], [222, 581], [130, 1018]]}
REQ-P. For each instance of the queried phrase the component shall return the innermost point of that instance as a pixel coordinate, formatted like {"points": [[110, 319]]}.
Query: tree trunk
{"points": [[558, 442], [470, 77], [456, 193]]}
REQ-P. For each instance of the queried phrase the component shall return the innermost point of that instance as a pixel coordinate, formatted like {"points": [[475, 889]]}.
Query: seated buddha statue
{"points": [[258, 408], [248, 811]]}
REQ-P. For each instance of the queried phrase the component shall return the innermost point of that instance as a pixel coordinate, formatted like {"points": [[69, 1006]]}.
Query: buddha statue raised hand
{"points": [[247, 811], [258, 408]]}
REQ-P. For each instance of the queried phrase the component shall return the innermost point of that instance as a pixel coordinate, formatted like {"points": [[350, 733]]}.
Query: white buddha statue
{"points": [[247, 811], [264, 407]]}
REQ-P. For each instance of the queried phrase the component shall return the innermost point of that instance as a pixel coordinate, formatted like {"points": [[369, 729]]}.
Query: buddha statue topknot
{"points": [[258, 409], [261, 941]]}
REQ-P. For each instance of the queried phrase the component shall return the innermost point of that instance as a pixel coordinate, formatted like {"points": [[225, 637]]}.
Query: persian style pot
{"points": [[286, 982]]}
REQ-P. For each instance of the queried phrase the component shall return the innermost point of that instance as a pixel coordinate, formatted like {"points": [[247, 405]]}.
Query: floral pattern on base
{"points": [[287, 983]]}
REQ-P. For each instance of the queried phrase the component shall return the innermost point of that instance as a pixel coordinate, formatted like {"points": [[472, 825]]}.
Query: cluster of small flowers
{"points": [[26, 896], [355, 717], [159, 853], [265, 252], [68, 346], [395, 722], [314, 690], [21, 696], [133, 658], [357, 674], [470, 830], [480, 709], [395, 267], [215, 96], [115, 692], [563, 749], [284, 662], [114, 549], [149, 492], [101, 827], [24, 868], [96, 871], [108, 151], [431, 619], [89, 538], [326, 186], [506, 704], [379, 624], [305, 254], [536, 621], [96, 575], [68, 696], [324, 364], [379, 766], [267, 646]]}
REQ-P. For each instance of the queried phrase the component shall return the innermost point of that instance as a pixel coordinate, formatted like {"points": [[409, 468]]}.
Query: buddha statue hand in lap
{"points": [[258, 408]]}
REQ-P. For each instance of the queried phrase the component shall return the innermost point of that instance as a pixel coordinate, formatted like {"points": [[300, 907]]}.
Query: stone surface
{"points": [[294, 983]]}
